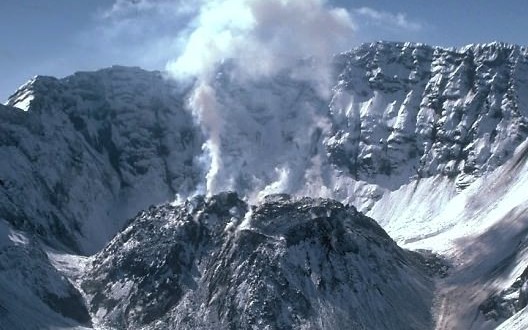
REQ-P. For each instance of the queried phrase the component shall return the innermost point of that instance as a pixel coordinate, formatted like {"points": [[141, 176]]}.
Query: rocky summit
{"points": [[217, 263]]}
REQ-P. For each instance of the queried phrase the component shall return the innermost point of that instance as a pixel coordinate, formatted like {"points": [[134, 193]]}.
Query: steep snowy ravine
{"points": [[482, 232], [430, 142]]}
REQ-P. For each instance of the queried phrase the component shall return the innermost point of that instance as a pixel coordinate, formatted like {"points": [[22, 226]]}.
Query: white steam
{"points": [[264, 36], [261, 113], [204, 108]]}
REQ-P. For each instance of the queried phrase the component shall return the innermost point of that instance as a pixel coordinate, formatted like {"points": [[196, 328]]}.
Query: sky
{"points": [[60, 37]]}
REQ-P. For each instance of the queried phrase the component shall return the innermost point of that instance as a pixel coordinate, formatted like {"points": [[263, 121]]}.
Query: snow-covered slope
{"points": [[90, 151], [484, 232], [405, 110], [442, 133], [33, 293], [217, 263], [428, 141]]}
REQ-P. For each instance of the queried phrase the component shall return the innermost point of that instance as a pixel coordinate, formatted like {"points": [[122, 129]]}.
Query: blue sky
{"points": [[59, 37]]}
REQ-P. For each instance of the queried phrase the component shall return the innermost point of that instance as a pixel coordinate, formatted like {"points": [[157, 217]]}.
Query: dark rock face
{"points": [[76, 165], [504, 304], [217, 263], [32, 291], [402, 109]]}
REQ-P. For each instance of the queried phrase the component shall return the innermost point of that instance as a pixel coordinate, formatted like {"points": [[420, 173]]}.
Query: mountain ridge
{"points": [[410, 135]]}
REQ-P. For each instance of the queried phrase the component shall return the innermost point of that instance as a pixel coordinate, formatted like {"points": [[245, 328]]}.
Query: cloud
{"points": [[385, 19], [192, 36], [139, 32], [265, 35], [122, 9]]}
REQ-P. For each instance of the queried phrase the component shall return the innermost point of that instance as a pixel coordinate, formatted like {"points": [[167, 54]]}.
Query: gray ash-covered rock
{"points": [[502, 305], [219, 263], [77, 162], [434, 264], [33, 293]]}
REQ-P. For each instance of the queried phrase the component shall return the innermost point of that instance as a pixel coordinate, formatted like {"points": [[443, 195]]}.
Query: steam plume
{"points": [[264, 36], [262, 40]]}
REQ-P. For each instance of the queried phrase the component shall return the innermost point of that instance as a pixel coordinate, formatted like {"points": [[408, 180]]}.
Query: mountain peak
{"points": [[287, 263]]}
